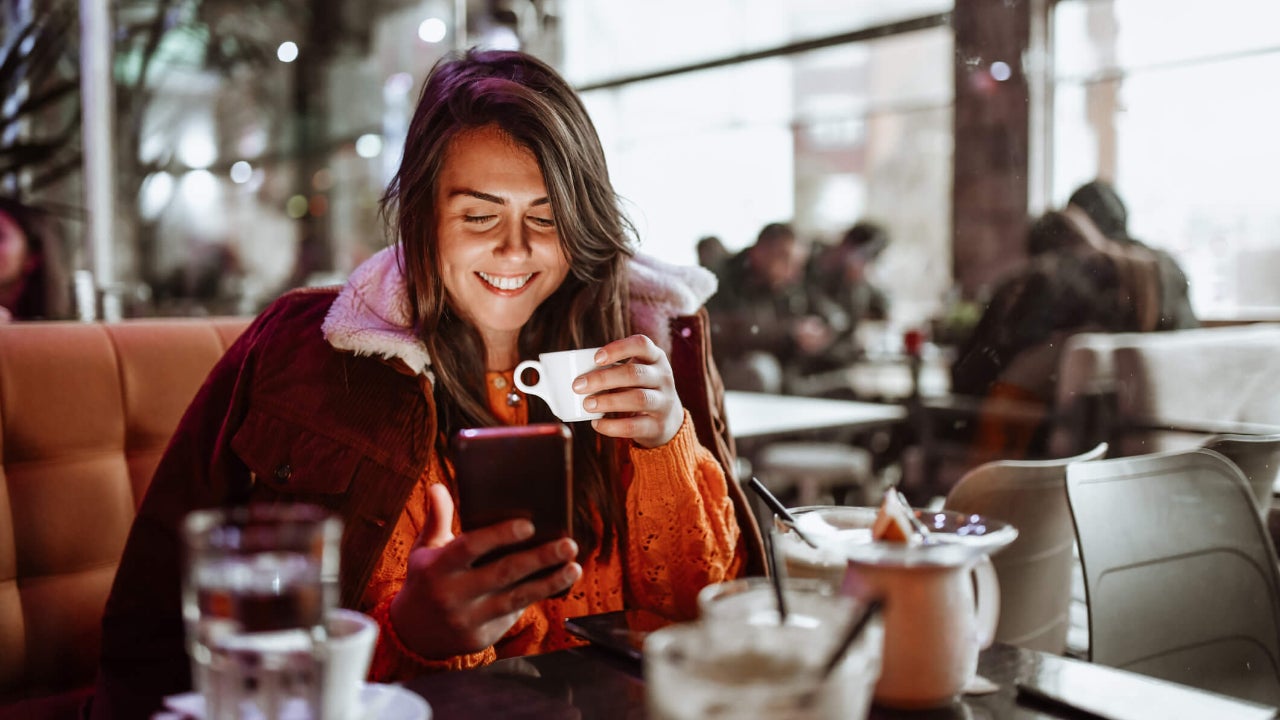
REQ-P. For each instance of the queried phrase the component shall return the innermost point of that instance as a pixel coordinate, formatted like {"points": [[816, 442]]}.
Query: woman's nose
{"points": [[513, 240]]}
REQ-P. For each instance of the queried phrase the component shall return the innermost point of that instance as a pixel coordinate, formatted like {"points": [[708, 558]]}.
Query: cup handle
{"points": [[536, 388], [987, 587]]}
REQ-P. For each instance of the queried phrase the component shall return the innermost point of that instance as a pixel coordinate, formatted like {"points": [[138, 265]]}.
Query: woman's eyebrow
{"points": [[478, 195], [487, 197]]}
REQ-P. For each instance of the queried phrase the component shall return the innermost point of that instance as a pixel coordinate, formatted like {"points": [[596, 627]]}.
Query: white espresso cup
{"points": [[351, 639], [556, 373]]}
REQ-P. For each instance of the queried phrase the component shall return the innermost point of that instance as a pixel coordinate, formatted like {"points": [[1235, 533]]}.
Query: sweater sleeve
{"points": [[682, 530], [392, 660]]}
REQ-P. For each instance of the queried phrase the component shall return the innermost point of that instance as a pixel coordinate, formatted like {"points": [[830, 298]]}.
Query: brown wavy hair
{"points": [[528, 100]]}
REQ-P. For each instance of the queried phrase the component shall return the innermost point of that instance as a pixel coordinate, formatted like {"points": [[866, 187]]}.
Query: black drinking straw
{"points": [[855, 631], [779, 510], [777, 575]]}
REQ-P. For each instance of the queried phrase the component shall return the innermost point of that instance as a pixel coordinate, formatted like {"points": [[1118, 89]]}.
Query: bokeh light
{"points": [[287, 52], [241, 172], [296, 206], [432, 30], [369, 146]]}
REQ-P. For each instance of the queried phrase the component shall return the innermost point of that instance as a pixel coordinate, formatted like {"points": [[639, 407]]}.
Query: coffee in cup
{"points": [[556, 373]]}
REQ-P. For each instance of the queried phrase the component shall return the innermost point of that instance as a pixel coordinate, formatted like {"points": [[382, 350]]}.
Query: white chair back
{"points": [[1180, 574], [1258, 457], [1035, 570]]}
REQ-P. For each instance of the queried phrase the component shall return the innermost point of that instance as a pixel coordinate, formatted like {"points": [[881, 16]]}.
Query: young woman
{"points": [[510, 244]]}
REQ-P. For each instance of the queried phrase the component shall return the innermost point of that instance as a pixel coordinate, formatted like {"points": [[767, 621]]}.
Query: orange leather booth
{"points": [[86, 411]]}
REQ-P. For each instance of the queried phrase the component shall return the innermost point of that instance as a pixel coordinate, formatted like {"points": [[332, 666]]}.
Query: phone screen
{"points": [[522, 471]]}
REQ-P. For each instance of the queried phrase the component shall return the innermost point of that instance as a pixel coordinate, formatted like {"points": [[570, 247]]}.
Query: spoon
{"points": [[921, 530], [780, 510]]}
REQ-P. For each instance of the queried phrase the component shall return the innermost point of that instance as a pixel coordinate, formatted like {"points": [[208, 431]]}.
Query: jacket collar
{"points": [[371, 314]]}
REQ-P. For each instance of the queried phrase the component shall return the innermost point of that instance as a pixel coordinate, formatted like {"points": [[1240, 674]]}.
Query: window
{"points": [[1171, 100], [821, 138]]}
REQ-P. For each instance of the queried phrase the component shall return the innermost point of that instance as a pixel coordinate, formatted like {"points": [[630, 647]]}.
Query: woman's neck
{"points": [[501, 351]]}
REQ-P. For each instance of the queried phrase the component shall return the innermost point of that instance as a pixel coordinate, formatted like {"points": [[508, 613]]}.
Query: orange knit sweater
{"points": [[681, 535]]}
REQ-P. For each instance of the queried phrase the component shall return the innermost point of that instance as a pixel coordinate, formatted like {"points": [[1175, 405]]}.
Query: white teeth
{"points": [[505, 283]]}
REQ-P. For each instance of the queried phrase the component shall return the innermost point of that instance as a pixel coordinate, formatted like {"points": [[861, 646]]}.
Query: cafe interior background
{"points": [[222, 152]]}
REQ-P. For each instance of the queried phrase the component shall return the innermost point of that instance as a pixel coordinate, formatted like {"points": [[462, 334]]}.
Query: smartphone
{"points": [[509, 472], [621, 631]]}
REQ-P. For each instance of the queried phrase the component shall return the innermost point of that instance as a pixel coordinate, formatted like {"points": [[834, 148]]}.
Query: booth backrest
{"points": [[1158, 391], [86, 410]]}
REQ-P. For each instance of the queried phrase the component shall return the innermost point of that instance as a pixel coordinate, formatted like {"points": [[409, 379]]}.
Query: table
{"points": [[587, 683], [761, 415]]}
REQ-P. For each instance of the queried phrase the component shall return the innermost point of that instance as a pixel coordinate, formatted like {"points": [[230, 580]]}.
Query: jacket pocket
{"points": [[290, 458]]}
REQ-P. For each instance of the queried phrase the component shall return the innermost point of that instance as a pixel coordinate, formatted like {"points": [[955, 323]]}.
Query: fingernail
{"points": [[524, 529], [599, 358], [572, 572], [567, 550], [590, 403], [580, 384]]}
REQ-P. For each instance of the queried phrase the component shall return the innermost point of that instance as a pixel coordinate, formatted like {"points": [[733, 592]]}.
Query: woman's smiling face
{"points": [[500, 253]]}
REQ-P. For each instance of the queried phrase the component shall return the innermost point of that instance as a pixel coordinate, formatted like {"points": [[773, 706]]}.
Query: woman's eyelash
{"points": [[477, 218]]}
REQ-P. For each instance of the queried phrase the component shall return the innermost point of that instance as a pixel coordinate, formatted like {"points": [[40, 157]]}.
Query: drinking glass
{"points": [[766, 671], [258, 583]]}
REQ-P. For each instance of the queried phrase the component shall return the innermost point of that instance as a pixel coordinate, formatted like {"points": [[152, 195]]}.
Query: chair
{"points": [[1258, 457], [1035, 570], [1180, 574]]}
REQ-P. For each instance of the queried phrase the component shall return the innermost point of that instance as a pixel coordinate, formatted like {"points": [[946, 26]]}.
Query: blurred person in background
{"points": [[33, 281], [1076, 281], [1099, 201], [712, 254], [510, 242], [844, 274], [767, 325]]}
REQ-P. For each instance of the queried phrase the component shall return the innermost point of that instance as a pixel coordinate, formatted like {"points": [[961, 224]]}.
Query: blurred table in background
{"points": [[754, 416], [804, 448]]}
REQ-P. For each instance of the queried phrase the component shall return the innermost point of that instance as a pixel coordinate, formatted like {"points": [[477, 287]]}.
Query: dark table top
{"points": [[587, 683]]}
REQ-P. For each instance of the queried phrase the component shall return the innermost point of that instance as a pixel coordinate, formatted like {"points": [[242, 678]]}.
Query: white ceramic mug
{"points": [[351, 639], [556, 373]]}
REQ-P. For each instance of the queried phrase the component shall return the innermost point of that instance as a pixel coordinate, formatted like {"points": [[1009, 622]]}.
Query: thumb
{"points": [[437, 531]]}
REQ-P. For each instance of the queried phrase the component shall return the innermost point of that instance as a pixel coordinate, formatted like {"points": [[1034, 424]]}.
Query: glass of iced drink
{"points": [[765, 671], [812, 604], [258, 583], [832, 528]]}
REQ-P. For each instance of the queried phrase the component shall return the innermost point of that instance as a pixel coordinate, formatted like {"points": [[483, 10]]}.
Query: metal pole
{"points": [[460, 25], [97, 94]]}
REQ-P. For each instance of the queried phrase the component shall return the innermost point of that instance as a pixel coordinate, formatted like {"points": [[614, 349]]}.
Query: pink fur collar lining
{"points": [[371, 314]]}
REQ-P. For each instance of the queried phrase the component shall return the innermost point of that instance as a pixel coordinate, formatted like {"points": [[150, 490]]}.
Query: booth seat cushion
{"points": [[86, 411]]}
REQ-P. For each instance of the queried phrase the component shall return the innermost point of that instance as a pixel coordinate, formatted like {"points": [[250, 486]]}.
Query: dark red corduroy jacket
{"points": [[284, 415]]}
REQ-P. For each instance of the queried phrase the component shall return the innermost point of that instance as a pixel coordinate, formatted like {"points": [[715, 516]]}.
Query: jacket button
{"points": [[283, 472]]}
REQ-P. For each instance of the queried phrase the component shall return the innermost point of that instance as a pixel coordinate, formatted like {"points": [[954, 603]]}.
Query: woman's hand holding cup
{"points": [[636, 387], [448, 606]]}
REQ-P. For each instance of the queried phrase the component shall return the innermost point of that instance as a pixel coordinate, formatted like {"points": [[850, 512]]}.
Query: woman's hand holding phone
{"points": [[448, 606], [638, 390]]}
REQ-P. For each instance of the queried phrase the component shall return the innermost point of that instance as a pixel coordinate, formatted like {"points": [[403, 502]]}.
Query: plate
{"points": [[383, 702]]}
